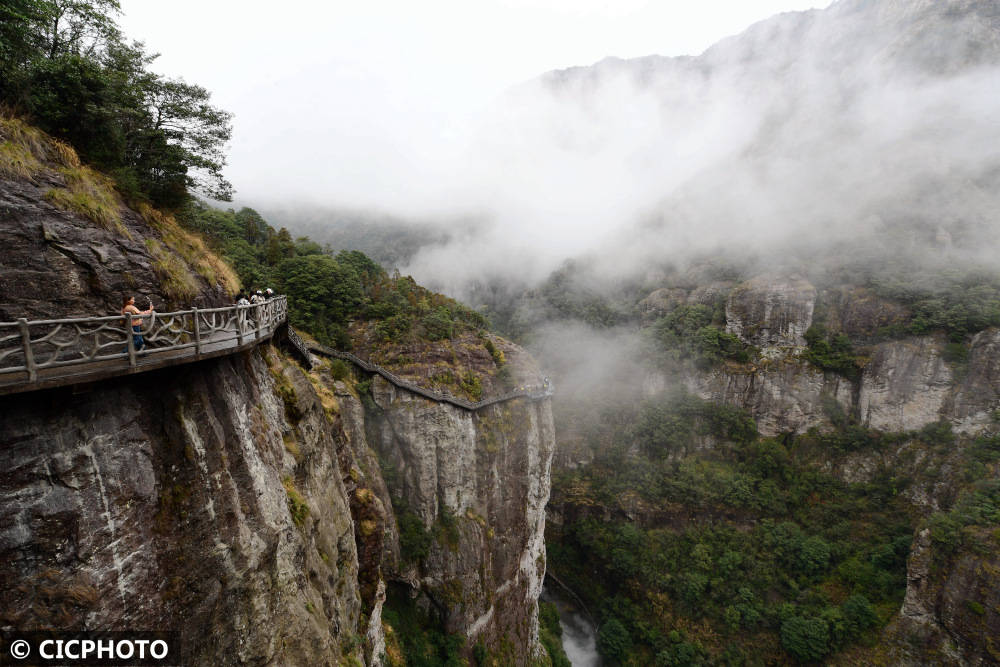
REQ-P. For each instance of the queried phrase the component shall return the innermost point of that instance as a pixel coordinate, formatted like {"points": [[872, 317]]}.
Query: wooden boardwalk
{"points": [[533, 392], [53, 353]]}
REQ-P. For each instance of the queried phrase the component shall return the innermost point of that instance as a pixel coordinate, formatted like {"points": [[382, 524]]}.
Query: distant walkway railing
{"points": [[47, 353], [533, 392]]}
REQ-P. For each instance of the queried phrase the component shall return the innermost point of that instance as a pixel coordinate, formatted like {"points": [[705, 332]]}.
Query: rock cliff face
{"points": [[58, 264], [772, 313], [950, 613], [479, 481], [475, 484], [903, 385], [184, 500]]}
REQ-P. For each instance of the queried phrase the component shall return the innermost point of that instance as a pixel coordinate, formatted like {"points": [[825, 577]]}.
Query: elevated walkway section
{"points": [[43, 354]]}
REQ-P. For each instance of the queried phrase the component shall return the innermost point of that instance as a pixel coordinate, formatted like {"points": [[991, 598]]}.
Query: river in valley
{"points": [[579, 636]]}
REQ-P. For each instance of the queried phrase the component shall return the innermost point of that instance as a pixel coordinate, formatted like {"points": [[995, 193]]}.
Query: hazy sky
{"points": [[368, 103]]}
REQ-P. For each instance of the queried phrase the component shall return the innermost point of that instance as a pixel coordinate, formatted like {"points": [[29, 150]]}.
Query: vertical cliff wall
{"points": [[450, 507], [184, 500], [479, 482]]}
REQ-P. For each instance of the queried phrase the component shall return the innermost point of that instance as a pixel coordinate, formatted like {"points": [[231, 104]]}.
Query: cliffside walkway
{"points": [[50, 353], [535, 393], [42, 354]]}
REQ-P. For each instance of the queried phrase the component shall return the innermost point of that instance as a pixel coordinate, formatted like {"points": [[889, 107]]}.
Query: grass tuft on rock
{"points": [[17, 162], [23, 149], [296, 503], [191, 248], [177, 281], [90, 194]]}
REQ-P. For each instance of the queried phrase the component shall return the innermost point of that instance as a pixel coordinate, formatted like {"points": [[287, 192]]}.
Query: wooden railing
{"points": [[532, 392], [47, 353], [41, 354]]}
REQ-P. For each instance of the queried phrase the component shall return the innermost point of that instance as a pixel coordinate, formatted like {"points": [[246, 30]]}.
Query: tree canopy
{"points": [[66, 65]]}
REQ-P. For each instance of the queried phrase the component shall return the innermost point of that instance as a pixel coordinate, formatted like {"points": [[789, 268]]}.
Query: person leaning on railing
{"points": [[128, 307]]}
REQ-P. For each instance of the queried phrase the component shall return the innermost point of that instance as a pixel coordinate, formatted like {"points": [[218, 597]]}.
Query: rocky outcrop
{"points": [[58, 264], [977, 397], [475, 482], [859, 313], [661, 301], [905, 385], [786, 395], [772, 313]]}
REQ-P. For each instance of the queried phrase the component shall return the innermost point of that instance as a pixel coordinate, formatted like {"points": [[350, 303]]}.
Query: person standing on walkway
{"points": [[128, 307]]}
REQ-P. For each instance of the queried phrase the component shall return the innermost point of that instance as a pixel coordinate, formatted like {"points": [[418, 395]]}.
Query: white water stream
{"points": [[579, 636]]}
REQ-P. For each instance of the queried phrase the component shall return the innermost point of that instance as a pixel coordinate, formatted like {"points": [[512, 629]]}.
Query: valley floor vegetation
{"points": [[697, 541]]}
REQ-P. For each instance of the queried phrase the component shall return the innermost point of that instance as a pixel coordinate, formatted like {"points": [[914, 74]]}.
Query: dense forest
{"points": [[326, 289]]}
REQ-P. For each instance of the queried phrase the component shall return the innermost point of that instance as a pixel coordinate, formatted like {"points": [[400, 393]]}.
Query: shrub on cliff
{"points": [[689, 332], [550, 634], [832, 352], [613, 640], [414, 539]]}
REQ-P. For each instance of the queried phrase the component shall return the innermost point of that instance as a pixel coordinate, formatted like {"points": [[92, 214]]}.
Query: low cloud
{"points": [[791, 135]]}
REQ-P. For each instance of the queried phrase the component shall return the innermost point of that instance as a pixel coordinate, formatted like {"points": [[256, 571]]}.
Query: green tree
{"points": [[613, 640], [321, 293], [79, 27], [20, 40], [805, 638], [186, 134], [255, 229], [859, 615]]}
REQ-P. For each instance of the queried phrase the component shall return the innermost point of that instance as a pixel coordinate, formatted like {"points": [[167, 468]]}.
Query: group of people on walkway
{"points": [[257, 296]]}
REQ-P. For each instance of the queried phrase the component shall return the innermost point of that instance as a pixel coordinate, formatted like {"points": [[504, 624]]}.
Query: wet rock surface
{"points": [[771, 312]]}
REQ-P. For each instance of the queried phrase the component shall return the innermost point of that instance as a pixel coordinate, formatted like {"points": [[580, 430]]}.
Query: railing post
{"points": [[29, 356], [197, 332], [241, 316], [259, 316], [130, 339]]}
